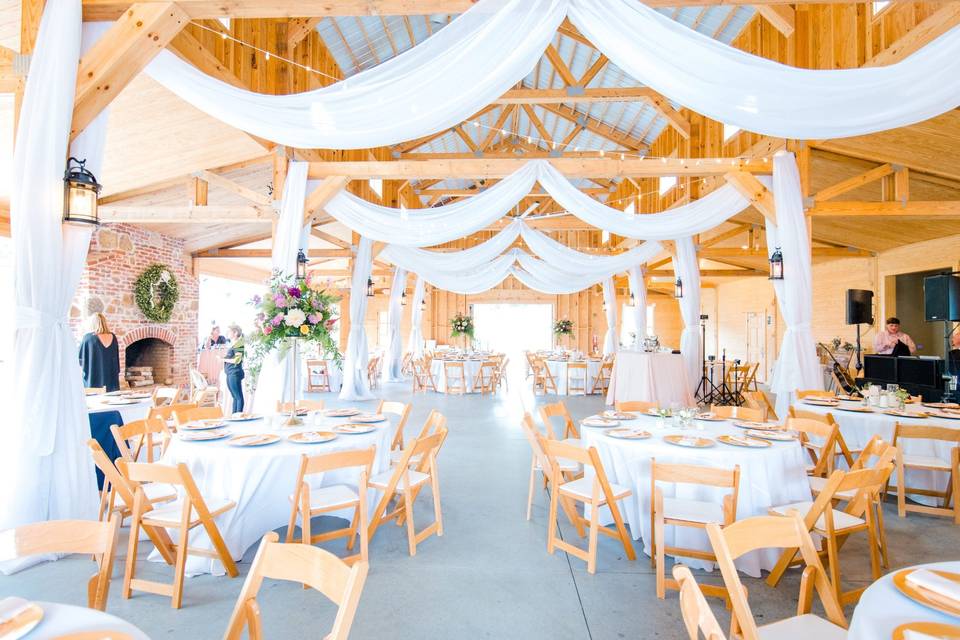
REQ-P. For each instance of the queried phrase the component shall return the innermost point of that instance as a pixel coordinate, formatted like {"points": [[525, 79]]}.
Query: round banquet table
{"points": [[650, 377], [769, 477], [858, 428], [558, 369], [471, 367], [882, 608], [128, 411], [63, 619], [261, 479]]}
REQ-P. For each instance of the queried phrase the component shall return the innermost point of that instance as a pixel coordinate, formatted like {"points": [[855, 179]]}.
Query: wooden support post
{"points": [[30, 13], [197, 190], [754, 191], [901, 185], [280, 162]]}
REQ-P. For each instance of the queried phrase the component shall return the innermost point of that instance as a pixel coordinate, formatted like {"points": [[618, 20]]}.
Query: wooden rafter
{"points": [[595, 126], [298, 29], [754, 191], [782, 17], [850, 184], [234, 187], [209, 214]]}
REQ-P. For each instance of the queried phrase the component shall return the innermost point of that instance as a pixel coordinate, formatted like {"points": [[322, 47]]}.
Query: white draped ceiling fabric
{"points": [[638, 287], [797, 365], [46, 473], [688, 270], [275, 380], [610, 311], [494, 45], [393, 356], [356, 385], [415, 344]]}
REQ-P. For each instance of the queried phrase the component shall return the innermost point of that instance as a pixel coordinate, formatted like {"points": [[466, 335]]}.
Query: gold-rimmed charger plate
{"points": [[933, 629], [367, 418], [759, 426], [312, 437], [106, 634], [22, 623], [692, 442], [779, 436], [947, 415], [204, 435], [739, 441], [354, 429], [860, 409], [906, 414], [626, 433], [342, 413], [925, 597], [821, 402], [242, 417], [602, 423], [709, 416], [618, 415], [202, 425], [253, 440]]}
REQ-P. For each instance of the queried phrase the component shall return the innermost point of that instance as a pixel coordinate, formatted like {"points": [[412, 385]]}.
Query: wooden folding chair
{"points": [[402, 411], [635, 406], [454, 378], [594, 493], [758, 400], [817, 438], [815, 393], [697, 514], [141, 436], [69, 536], [302, 405], [93, 391], [559, 410], [486, 379], [835, 526], [434, 422], [842, 448], [539, 462], [165, 396], [118, 492], [502, 374], [318, 376], [313, 501], [311, 566], [422, 377], [542, 377], [602, 382], [697, 616], [771, 532], [404, 483], [576, 381], [188, 512], [209, 397], [739, 413], [406, 365], [166, 413], [183, 416], [373, 372], [933, 463]]}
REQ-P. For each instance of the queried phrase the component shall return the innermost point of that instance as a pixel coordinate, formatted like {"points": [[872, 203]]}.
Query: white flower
{"points": [[294, 318], [165, 276]]}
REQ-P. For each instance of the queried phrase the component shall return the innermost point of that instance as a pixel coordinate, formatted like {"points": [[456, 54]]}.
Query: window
{"points": [[729, 130], [667, 183], [627, 325], [377, 185], [880, 5], [605, 237], [225, 22]]}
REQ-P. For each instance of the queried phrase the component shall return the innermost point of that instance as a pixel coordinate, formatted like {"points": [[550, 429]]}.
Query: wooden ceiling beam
{"points": [[298, 29], [754, 191], [782, 17], [266, 253], [595, 126], [329, 237], [714, 273], [935, 210], [234, 187], [319, 197], [852, 183], [209, 214]]}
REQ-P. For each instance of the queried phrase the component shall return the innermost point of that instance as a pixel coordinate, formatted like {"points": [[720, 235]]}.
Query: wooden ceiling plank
{"points": [[945, 209], [853, 183], [235, 188], [782, 17], [210, 214], [300, 28]]}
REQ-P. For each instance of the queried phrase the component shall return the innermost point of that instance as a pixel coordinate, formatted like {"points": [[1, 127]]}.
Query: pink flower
{"points": [[313, 318], [267, 330], [331, 322], [280, 301], [294, 292], [277, 319]]}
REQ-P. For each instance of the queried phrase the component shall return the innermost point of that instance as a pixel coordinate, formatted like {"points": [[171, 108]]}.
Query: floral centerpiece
{"points": [[563, 327], [461, 325], [292, 308]]}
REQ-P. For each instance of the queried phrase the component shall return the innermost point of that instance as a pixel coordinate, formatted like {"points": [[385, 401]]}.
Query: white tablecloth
{"points": [[558, 369], [772, 476], [650, 377], [882, 608], [62, 619], [261, 479], [470, 368], [129, 412], [858, 428]]}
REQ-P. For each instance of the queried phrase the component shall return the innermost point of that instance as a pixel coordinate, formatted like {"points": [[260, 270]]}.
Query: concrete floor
{"points": [[489, 576]]}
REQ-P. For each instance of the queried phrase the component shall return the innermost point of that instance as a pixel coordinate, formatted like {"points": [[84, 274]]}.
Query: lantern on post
{"points": [[678, 288], [80, 193], [301, 265], [776, 265]]}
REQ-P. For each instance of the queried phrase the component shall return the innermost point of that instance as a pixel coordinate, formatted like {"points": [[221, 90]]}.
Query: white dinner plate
{"points": [[204, 436], [311, 437], [596, 421], [245, 417], [353, 429], [253, 440]]}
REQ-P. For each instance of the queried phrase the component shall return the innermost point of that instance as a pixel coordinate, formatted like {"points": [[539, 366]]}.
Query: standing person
{"points": [[215, 339], [893, 342], [233, 367], [100, 355]]}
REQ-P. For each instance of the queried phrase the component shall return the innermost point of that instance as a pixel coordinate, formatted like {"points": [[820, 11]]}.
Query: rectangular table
{"points": [[650, 377]]}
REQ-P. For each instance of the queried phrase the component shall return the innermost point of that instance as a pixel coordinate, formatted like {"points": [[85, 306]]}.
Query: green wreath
{"points": [[156, 292]]}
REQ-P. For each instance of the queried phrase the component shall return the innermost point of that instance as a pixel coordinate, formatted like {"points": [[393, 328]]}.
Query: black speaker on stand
{"points": [[859, 311], [941, 303]]}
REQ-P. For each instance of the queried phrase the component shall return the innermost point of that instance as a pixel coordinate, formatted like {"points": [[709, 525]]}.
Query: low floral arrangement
{"points": [[292, 308], [156, 292], [461, 325], [563, 327]]}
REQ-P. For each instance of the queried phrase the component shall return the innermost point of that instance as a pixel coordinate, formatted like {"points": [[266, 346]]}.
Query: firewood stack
{"points": [[139, 376]]}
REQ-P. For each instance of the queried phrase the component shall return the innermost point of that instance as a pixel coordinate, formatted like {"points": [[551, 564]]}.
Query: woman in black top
{"points": [[233, 367], [100, 356], [215, 339]]}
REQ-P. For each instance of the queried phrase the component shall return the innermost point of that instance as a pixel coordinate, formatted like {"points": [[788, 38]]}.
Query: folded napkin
{"points": [[744, 441], [11, 607], [926, 579], [689, 441]]}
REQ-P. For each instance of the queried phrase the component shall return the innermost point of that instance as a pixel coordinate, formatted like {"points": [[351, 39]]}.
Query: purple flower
{"points": [[257, 299], [261, 317], [277, 319], [294, 292], [280, 301], [313, 318]]}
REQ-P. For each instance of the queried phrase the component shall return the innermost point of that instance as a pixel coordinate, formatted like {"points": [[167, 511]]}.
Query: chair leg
{"points": [[622, 530], [408, 510], [180, 567], [873, 539], [437, 511], [533, 474], [786, 559], [660, 555], [834, 560], [552, 523], [292, 524], [306, 528], [955, 478], [901, 495], [361, 516], [592, 543], [131, 564]]}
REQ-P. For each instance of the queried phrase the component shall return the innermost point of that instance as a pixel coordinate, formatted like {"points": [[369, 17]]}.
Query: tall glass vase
{"points": [[294, 420]]}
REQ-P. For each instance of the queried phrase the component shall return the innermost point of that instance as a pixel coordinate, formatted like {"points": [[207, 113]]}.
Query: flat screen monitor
{"points": [[925, 372], [880, 368]]}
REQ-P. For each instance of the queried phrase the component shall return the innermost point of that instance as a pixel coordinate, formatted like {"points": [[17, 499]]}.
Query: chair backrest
{"points": [[576, 365], [770, 532], [435, 421], [139, 435], [821, 453], [91, 391], [308, 565], [903, 430], [871, 453], [206, 397], [558, 410], [324, 462], [531, 434], [317, 366], [694, 474], [795, 412], [166, 412], [557, 449], [197, 413], [814, 393], [697, 616], [163, 396], [307, 405], [637, 406], [756, 400], [742, 413], [451, 365], [197, 381], [402, 411], [69, 536]]}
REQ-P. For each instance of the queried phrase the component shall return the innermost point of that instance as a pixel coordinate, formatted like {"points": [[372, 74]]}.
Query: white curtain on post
{"points": [[393, 357], [638, 287], [356, 386], [415, 345], [273, 384], [686, 267], [610, 341], [797, 365], [46, 467]]}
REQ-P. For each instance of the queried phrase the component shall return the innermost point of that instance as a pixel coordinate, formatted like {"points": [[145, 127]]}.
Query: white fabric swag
{"points": [[797, 365], [686, 268], [275, 379], [439, 83], [393, 356], [356, 385], [47, 473], [415, 344], [610, 340], [638, 287]]}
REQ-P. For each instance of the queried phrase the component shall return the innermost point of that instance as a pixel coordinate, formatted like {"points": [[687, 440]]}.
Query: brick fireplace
{"points": [[119, 253]]}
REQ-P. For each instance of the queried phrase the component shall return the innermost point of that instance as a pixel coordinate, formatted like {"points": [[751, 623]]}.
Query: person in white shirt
{"points": [[886, 340]]}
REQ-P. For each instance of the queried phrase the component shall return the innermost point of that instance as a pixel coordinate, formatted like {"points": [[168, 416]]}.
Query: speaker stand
{"points": [[858, 365]]}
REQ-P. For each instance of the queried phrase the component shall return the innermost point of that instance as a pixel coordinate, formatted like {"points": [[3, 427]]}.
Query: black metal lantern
{"points": [[370, 291], [80, 193], [403, 299], [301, 265], [633, 300], [776, 265], [423, 304], [678, 288]]}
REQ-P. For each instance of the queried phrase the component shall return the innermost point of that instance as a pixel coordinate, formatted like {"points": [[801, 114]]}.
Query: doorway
{"points": [[513, 329]]}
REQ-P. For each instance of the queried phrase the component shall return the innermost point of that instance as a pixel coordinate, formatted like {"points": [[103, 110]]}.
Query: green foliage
{"points": [[156, 292]]}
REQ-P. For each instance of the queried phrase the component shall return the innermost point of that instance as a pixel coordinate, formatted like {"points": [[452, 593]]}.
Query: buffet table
{"points": [[650, 377]]}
